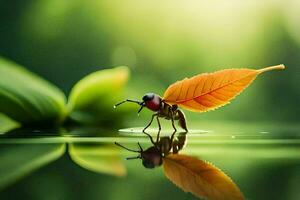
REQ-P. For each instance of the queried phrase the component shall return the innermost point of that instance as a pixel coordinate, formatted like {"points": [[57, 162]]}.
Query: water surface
{"points": [[262, 159]]}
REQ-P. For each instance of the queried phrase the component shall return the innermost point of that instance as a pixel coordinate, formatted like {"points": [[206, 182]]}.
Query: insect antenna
{"points": [[128, 100], [128, 148], [141, 149], [132, 158], [141, 108]]}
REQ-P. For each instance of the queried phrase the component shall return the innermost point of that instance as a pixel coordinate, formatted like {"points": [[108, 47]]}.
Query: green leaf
{"points": [[18, 161], [7, 124], [98, 158], [27, 98], [92, 98]]}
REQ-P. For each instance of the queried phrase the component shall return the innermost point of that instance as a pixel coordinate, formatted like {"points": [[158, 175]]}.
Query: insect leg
{"points": [[150, 137], [172, 138], [172, 119], [159, 129], [149, 122], [181, 120], [158, 122], [173, 114]]}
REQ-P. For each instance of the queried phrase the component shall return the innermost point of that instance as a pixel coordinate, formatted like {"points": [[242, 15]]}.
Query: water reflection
{"points": [[250, 159], [99, 158], [162, 147], [189, 173]]}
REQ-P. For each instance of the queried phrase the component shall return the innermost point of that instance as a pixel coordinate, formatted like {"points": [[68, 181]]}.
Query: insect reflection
{"points": [[162, 146], [189, 173]]}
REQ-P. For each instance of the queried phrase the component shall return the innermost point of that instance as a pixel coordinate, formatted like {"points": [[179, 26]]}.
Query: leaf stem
{"points": [[276, 67]]}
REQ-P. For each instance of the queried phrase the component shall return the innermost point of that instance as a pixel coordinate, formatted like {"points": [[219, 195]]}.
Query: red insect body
{"points": [[154, 104]]}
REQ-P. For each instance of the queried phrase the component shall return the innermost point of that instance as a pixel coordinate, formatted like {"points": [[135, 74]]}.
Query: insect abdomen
{"points": [[181, 119]]}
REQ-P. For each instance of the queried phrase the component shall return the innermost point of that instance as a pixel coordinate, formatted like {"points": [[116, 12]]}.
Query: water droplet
{"points": [[233, 137], [115, 106]]}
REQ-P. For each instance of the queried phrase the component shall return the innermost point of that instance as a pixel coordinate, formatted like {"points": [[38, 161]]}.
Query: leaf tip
{"points": [[281, 66]]}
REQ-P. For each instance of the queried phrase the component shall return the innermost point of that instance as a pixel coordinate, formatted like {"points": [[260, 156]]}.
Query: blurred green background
{"points": [[161, 42]]}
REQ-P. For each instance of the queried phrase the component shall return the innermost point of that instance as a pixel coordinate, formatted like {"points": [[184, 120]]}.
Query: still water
{"points": [[83, 163]]}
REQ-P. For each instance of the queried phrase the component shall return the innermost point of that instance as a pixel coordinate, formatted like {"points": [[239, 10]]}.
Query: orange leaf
{"points": [[200, 178], [209, 91]]}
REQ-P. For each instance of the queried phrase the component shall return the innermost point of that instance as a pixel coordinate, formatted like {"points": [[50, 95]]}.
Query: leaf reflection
{"points": [[191, 174], [18, 161], [98, 158]]}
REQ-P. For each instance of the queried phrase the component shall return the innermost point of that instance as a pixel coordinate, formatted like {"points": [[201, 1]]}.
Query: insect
{"points": [[155, 103], [188, 173], [163, 146], [201, 93]]}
